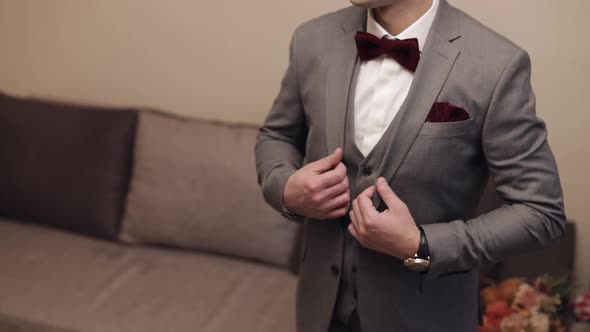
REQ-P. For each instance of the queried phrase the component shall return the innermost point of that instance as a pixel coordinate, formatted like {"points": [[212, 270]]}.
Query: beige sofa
{"points": [[125, 220], [128, 220]]}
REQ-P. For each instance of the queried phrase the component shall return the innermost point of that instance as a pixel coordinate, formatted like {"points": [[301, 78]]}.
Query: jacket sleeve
{"points": [[280, 145], [524, 171]]}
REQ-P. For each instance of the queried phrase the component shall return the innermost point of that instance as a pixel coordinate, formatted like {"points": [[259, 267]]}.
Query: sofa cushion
{"points": [[65, 165], [71, 281], [194, 186], [18, 324]]}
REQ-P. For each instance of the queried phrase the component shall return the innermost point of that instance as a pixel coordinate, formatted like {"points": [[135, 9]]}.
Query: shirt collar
{"points": [[419, 29]]}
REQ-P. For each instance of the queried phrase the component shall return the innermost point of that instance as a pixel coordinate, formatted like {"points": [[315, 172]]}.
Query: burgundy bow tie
{"points": [[404, 51]]}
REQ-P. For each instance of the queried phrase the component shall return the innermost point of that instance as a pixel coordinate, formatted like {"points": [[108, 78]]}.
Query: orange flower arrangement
{"points": [[514, 305]]}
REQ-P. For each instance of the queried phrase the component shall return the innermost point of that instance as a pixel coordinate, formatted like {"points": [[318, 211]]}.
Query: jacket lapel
{"points": [[436, 62], [343, 61]]}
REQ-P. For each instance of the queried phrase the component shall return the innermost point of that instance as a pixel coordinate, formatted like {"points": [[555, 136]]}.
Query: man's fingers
{"points": [[368, 192], [366, 207], [354, 232], [329, 162], [335, 190], [332, 177], [338, 213], [352, 217], [356, 217], [387, 194], [338, 202]]}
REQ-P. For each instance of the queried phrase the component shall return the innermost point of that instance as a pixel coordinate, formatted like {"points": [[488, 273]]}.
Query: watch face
{"points": [[417, 264]]}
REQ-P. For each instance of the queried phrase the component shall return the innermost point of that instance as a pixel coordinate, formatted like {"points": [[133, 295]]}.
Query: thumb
{"points": [[387, 194], [329, 162]]}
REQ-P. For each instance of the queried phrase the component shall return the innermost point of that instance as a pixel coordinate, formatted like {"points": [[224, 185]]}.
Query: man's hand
{"points": [[319, 190], [393, 231]]}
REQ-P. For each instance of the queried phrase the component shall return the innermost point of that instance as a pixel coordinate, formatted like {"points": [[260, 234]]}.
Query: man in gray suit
{"points": [[391, 117]]}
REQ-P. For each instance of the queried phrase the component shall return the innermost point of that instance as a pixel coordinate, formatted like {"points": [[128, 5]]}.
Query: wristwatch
{"points": [[420, 262]]}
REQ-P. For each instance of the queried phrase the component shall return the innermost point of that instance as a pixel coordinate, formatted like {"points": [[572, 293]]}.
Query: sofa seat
{"points": [[85, 284]]}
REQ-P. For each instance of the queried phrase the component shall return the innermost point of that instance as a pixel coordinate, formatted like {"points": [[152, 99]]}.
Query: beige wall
{"points": [[224, 60]]}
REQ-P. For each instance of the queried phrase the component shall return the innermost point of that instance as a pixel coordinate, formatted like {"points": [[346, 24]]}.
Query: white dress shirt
{"points": [[383, 84]]}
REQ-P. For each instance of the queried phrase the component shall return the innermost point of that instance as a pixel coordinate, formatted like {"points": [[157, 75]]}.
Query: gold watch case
{"points": [[417, 264]]}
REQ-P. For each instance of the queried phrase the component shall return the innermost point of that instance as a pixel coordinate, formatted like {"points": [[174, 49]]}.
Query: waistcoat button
{"points": [[367, 171], [335, 269]]}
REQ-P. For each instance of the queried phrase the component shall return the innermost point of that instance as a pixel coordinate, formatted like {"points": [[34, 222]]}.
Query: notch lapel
{"points": [[343, 62], [437, 60]]}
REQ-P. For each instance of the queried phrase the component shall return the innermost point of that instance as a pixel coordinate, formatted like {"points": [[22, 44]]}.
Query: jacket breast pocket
{"points": [[447, 128]]}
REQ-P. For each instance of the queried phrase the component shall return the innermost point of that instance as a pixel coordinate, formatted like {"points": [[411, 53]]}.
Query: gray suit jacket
{"points": [[438, 169]]}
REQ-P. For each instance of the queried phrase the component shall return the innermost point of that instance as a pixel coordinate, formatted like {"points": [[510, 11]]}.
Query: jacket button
{"points": [[335, 270], [367, 171]]}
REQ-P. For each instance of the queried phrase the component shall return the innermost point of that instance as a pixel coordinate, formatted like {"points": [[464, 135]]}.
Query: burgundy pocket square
{"points": [[446, 112]]}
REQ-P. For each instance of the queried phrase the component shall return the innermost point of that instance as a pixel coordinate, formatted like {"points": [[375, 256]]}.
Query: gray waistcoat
{"points": [[362, 172]]}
